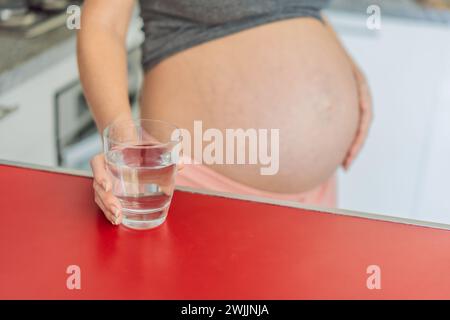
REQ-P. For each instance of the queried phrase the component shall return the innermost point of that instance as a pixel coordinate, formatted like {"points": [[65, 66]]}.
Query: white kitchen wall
{"points": [[406, 65]]}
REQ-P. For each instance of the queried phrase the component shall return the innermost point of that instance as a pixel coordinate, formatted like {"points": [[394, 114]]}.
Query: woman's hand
{"points": [[104, 197], [365, 118]]}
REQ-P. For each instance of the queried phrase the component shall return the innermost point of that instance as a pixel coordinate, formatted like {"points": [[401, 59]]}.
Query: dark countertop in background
{"points": [[22, 58]]}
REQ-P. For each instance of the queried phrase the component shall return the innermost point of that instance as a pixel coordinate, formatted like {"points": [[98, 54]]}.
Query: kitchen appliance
{"points": [[31, 18], [10, 8], [49, 5], [77, 139]]}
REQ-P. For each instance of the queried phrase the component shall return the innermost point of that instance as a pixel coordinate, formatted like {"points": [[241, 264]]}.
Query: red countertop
{"points": [[210, 247]]}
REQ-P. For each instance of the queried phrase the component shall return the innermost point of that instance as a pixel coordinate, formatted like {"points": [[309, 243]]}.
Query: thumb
{"points": [[101, 176]]}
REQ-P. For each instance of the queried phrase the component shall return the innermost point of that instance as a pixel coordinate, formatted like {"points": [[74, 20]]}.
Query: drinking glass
{"points": [[141, 158]]}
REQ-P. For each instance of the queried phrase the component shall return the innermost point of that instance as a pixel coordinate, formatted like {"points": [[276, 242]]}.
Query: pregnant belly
{"points": [[290, 75]]}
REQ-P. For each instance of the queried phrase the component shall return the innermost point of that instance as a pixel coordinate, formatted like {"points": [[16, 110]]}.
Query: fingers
{"points": [[107, 213], [180, 165], [358, 143], [167, 189], [365, 105], [99, 170], [148, 138], [104, 198], [109, 204], [363, 132]]}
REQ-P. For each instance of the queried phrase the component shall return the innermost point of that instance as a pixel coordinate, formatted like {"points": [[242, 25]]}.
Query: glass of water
{"points": [[141, 158]]}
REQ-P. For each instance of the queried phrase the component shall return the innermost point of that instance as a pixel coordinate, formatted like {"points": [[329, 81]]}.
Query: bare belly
{"points": [[289, 75]]}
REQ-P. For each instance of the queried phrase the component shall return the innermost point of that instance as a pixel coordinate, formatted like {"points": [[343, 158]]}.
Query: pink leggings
{"points": [[202, 177]]}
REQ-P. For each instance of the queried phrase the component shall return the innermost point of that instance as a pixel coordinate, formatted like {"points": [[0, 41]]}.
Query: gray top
{"points": [[21, 59], [171, 26]]}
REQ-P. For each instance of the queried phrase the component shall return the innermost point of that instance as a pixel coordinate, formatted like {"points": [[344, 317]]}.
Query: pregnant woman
{"points": [[258, 64]]}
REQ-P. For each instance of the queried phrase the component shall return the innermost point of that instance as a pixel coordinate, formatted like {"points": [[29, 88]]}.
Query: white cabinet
{"points": [[28, 133], [404, 65], [434, 202]]}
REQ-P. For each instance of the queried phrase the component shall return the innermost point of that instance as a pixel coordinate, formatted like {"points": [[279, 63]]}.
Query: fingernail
{"points": [[116, 211], [346, 164], [105, 186]]}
